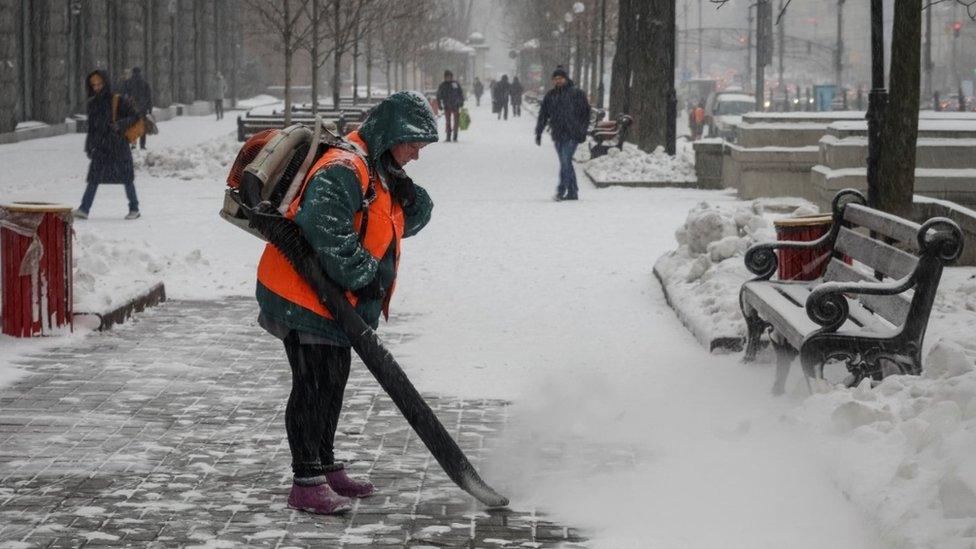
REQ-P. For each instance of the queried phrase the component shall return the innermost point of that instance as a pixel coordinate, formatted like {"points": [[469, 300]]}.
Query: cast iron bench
{"points": [[250, 124], [869, 309], [608, 130]]}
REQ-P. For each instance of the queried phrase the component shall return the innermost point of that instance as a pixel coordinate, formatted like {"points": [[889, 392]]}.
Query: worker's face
{"points": [[96, 83], [449, 77], [559, 81], [405, 152]]}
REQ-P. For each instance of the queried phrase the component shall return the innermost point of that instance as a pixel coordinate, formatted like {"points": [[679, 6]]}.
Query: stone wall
{"points": [[47, 47]]}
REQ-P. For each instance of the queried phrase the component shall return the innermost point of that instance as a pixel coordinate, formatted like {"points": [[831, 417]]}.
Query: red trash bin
{"points": [[803, 264], [35, 263]]}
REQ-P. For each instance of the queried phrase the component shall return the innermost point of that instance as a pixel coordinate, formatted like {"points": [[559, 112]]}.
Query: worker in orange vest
{"points": [[354, 208]]}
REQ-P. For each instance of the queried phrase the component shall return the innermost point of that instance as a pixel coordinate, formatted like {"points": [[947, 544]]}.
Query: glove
{"points": [[373, 291], [538, 140], [404, 190]]}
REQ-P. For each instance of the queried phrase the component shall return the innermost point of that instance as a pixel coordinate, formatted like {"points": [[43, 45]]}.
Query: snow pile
{"points": [[705, 272], [203, 161], [906, 448], [110, 271], [632, 164]]}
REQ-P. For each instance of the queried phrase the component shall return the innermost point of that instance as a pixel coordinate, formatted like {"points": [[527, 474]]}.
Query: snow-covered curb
{"points": [[701, 278]]}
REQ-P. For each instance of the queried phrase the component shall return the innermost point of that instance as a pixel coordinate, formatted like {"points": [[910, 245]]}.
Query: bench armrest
{"points": [[761, 258], [827, 305]]}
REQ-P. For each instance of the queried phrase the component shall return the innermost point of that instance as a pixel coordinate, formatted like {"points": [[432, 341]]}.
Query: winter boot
{"points": [[319, 499], [133, 215], [80, 214], [345, 486]]}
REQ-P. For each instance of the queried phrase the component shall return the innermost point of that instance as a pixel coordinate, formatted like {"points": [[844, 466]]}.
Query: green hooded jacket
{"points": [[332, 199]]}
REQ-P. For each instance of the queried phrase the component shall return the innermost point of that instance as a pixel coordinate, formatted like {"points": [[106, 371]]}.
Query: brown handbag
{"points": [[136, 130]]}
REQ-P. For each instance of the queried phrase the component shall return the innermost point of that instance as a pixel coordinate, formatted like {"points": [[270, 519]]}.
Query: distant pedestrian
{"points": [[450, 96], [479, 90], [567, 113], [515, 92], [500, 95], [698, 121], [137, 89], [109, 115], [219, 92]]}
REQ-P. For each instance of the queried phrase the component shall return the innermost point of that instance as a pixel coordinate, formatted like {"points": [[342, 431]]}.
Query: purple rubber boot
{"points": [[345, 486], [319, 499]]}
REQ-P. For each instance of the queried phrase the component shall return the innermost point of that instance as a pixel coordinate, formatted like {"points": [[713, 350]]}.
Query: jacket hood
{"points": [[401, 118], [106, 87]]}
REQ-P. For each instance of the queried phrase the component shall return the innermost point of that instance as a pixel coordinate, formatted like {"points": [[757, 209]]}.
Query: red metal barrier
{"points": [[803, 264], [35, 262]]}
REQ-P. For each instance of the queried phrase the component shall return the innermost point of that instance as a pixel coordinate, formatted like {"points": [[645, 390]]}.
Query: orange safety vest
{"points": [[699, 114], [384, 227]]}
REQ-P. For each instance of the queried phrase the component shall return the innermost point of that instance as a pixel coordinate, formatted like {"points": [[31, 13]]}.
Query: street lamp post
{"points": [[877, 100], [699, 38]]}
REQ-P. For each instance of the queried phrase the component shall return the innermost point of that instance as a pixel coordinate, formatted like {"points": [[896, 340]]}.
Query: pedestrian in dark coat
{"points": [[479, 90], [566, 111], [516, 94], [450, 98], [219, 91], [106, 145], [137, 89], [500, 95]]}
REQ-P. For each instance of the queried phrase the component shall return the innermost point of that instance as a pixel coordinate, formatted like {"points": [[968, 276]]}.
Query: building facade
{"points": [[47, 47]]}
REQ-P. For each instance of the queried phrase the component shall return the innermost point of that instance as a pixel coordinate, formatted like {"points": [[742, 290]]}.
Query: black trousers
{"points": [[219, 108], [319, 374]]}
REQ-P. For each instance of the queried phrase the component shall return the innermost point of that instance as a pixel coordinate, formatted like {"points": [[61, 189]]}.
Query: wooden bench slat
{"points": [[882, 257], [902, 230], [893, 308], [856, 311]]}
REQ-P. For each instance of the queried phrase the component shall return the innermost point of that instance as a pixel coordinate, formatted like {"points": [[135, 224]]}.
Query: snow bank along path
{"points": [[622, 424]]}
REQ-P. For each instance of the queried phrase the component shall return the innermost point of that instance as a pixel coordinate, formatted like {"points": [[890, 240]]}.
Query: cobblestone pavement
{"points": [[169, 431]]}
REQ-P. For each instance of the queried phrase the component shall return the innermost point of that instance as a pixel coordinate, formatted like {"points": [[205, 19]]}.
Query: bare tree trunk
{"points": [[389, 80], [337, 59], [594, 37], [369, 67], [315, 57], [289, 53], [651, 76], [622, 67], [355, 64], [899, 131]]}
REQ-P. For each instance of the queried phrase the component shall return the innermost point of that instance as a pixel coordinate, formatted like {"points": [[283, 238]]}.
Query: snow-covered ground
{"points": [[621, 424]]}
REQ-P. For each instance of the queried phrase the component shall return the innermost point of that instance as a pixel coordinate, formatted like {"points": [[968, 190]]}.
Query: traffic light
{"points": [[956, 27]]}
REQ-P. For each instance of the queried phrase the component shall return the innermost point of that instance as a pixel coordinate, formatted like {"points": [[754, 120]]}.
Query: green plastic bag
{"points": [[464, 120]]}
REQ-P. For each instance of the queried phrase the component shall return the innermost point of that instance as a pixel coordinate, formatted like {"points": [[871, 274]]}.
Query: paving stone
{"points": [[169, 431]]}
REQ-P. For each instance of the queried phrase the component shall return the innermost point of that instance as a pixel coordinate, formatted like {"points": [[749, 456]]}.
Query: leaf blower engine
{"points": [[271, 166]]}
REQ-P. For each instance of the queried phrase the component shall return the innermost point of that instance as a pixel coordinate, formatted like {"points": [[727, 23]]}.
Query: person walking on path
{"points": [[109, 115], [500, 95], [138, 90], [566, 111], [219, 92], [698, 121], [353, 210], [516, 94], [479, 90], [450, 97]]}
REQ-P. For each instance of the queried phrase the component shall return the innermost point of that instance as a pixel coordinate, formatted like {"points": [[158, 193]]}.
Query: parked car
{"points": [[724, 110]]}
